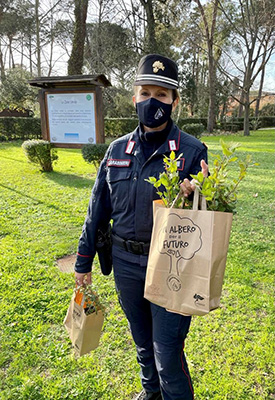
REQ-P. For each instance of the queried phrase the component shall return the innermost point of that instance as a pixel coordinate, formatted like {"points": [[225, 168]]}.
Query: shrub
{"points": [[233, 126], [236, 124], [115, 127], [193, 129], [20, 128], [40, 152], [192, 120], [265, 121], [94, 153], [267, 110]]}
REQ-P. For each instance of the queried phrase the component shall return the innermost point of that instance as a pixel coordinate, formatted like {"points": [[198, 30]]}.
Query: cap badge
{"points": [[157, 66]]}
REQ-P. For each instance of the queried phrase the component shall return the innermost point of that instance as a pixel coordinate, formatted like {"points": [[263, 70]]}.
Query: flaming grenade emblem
{"points": [[157, 66]]}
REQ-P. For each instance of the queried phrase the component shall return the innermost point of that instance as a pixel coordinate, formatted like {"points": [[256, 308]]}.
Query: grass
{"points": [[230, 351]]}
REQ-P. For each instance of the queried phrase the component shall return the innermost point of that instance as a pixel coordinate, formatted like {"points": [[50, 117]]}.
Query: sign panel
{"points": [[71, 117]]}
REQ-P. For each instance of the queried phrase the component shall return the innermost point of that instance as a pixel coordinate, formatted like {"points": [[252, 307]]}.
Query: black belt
{"points": [[139, 248]]}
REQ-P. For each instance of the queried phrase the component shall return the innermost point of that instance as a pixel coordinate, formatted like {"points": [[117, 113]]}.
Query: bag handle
{"points": [[199, 202]]}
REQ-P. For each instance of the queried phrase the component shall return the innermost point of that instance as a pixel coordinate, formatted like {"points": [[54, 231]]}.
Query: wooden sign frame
{"points": [[98, 113]]}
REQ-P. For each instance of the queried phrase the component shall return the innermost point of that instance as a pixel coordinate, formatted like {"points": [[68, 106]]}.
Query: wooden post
{"points": [[43, 117], [100, 136]]}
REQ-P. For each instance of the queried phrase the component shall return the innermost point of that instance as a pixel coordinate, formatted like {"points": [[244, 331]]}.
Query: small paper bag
{"points": [[84, 330]]}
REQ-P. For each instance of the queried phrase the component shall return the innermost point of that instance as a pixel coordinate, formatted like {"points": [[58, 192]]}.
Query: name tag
{"points": [[118, 163]]}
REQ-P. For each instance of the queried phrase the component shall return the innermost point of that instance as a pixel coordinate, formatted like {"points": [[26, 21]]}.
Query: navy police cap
{"points": [[158, 70]]}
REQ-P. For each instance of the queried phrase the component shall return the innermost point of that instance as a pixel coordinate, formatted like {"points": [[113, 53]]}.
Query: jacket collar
{"points": [[171, 143]]}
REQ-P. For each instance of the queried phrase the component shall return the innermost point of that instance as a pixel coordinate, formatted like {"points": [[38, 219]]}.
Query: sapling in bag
{"points": [[84, 320], [189, 247]]}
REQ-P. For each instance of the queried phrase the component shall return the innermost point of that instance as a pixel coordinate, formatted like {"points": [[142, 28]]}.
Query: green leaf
{"points": [[233, 159], [225, 149], [172, 155]]}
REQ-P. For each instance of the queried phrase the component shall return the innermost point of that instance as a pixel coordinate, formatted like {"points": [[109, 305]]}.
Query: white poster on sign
{"points": [[71, 118]]}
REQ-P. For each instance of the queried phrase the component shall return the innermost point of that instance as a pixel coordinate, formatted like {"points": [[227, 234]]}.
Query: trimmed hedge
{"points": [[24, 128], [94, 153], [20, 128], [263, 122], [236, 124], [193, 129], [116, 127], [186, 121]]}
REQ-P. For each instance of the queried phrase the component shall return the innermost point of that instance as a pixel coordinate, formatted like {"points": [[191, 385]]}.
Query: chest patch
{"points": [[118, 163], [180, 164]]}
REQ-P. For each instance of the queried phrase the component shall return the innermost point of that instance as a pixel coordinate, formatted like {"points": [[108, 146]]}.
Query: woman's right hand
{"points": [[83, 279], [187, 187]]}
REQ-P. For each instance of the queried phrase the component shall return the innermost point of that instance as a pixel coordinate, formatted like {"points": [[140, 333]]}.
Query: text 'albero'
{"points": [[182, 229]]}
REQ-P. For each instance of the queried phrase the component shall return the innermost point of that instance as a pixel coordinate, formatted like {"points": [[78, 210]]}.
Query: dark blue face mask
{"points": [[153, 113]]}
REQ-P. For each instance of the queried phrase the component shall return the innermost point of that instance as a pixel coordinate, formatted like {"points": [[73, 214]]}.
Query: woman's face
{"points": [[157, 92]]}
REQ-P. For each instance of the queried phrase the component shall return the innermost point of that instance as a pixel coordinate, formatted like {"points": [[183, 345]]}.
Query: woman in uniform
{"points": [[121, 194]]}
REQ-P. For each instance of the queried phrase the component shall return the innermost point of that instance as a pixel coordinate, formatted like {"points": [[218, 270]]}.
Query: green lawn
{"points": [[230, 351]]}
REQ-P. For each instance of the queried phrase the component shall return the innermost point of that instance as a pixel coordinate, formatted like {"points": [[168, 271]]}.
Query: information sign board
{"points": [[71, 117]]}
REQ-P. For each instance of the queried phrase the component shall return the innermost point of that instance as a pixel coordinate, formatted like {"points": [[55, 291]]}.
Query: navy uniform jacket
{"points": [[121, 193]]}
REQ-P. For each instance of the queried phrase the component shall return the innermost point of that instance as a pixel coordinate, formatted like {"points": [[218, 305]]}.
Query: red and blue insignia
{"points": [[130, 147], [180, 164]]}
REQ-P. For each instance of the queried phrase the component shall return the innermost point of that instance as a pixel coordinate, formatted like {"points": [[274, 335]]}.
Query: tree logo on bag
{"points": [[174, 283], [179, 238]]}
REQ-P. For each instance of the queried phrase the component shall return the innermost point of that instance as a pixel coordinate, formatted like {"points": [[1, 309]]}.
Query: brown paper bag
{"points": [[84, 330], [187, 259]]}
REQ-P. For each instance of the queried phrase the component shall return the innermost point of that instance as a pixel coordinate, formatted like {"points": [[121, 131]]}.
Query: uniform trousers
{"points": [[158, 334]]}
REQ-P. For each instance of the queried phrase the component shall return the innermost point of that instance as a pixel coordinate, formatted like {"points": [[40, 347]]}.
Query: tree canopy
{"points": [[221, 46]]}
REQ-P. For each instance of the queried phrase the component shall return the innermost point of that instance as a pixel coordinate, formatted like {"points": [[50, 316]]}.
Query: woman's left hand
{"points": [[187, 187]]}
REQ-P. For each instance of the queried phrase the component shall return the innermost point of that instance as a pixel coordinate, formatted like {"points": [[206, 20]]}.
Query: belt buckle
{"points": [[136, 247]]}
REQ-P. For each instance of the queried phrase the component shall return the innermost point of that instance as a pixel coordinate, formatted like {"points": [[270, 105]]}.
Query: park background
{"points": [[225, 52]]}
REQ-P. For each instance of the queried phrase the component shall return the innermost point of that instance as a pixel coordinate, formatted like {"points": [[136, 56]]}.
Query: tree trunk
{"points": [[30, 52], [11, 59], [257, 108], [2, 66], [99, 39], [38, 45], [240, 108], [151, 45], [246, 114], [209, 34], [75, 63], [51, 46], [212, 95]]}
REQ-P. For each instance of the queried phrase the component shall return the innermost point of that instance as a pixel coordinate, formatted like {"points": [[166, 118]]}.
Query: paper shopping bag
{"points": [[187, 259], [84, 330]]}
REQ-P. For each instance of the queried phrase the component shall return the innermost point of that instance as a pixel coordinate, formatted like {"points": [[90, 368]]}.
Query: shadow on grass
{"points": [[13, 159], [70, 180], [49, 205]]}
